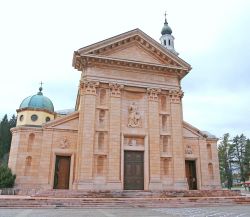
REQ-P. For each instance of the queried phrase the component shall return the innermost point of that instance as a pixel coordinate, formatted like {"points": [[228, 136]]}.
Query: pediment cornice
{"points": [[84, 61], [137, 36], [61, 120]]}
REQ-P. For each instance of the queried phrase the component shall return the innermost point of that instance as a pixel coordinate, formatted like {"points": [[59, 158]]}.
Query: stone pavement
{"points": [[221, 211]]}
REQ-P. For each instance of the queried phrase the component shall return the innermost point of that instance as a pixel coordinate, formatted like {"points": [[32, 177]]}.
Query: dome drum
{"points": [[35, 110]]}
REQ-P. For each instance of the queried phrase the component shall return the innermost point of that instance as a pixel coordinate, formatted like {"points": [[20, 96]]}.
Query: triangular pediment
{"points": [[68, 122], [133, 51], [137, 46], [190, 131]]}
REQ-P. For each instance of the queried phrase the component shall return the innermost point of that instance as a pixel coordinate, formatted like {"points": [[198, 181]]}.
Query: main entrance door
{"points": [[62, 172], [191, 174], [134, 170]]}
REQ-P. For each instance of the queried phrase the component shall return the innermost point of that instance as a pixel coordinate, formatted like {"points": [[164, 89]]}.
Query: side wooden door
{"points": [[62, 172]]}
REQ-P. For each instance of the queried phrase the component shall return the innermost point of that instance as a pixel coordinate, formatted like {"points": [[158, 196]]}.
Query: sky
{"points": [[38, 38]]}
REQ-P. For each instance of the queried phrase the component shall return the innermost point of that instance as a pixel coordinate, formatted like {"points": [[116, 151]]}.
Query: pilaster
{"points": [[114, 148], [177, 139], [86, 133], [154, 140]]}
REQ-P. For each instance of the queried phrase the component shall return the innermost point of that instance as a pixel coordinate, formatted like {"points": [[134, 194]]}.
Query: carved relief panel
{"points": [[134, 116], [64, 143], [189, 150], [134, 110]]}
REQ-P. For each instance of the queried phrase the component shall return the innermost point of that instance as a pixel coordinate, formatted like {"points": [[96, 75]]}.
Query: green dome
{"points": [[37, 101], [166, 29]]}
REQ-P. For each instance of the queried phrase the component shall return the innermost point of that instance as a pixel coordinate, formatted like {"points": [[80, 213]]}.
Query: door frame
{"points": [[131, 148], [71, 172], [196, 174]]}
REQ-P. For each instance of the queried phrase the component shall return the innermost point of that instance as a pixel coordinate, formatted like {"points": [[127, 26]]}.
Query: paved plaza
{"points": [[222, 211]]}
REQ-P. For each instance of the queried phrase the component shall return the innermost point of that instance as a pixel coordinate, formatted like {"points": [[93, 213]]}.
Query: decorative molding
{"points": [[134, 116], [91, 60], [64, 143], [188, 150], [175, 96], [88, 87], [153, 94], [115, 89]]}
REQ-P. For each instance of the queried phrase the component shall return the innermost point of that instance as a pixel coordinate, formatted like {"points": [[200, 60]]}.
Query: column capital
{"points": [[175, 95], [115, 89], [153, 93], [88, 87]]}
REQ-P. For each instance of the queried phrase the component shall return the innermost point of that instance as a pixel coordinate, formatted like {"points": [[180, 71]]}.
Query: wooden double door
{"points": [[62, 172], [133, 170]]}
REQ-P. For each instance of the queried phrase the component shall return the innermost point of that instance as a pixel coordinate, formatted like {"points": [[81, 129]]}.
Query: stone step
{"points": [[133, 194], [119, 202]]}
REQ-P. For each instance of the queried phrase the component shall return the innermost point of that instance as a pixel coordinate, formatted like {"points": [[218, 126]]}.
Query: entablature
{"points": [[82, 62]]}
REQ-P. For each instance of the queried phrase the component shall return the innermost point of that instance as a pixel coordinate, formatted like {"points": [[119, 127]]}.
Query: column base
{"points": [[155, 184], [181, 185]]}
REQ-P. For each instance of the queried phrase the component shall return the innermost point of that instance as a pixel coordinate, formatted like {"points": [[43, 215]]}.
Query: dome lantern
{"points": [[167, 40]]}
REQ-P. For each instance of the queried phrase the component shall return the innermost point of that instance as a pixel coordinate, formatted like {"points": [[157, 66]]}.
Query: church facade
{"points": [[127, 130]]}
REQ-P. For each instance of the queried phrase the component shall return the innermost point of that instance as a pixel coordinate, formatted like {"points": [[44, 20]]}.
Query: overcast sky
{"points": [[37, 40]]}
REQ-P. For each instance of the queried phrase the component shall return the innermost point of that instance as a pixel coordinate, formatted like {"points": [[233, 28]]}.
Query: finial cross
{"points": [[41, 83], [165, 14]]}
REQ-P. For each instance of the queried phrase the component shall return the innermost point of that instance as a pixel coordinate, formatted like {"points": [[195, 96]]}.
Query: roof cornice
{"points": [[142, 39], [84, 61]]}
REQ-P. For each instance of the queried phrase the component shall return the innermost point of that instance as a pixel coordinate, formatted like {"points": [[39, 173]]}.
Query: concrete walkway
{"points": [[232, 211]]}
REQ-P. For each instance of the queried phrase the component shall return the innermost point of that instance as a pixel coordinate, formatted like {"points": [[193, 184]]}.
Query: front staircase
{"points": [[123, 199]]}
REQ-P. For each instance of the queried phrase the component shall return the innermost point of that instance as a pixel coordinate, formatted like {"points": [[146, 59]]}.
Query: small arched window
{"points": [[21, 118]]}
